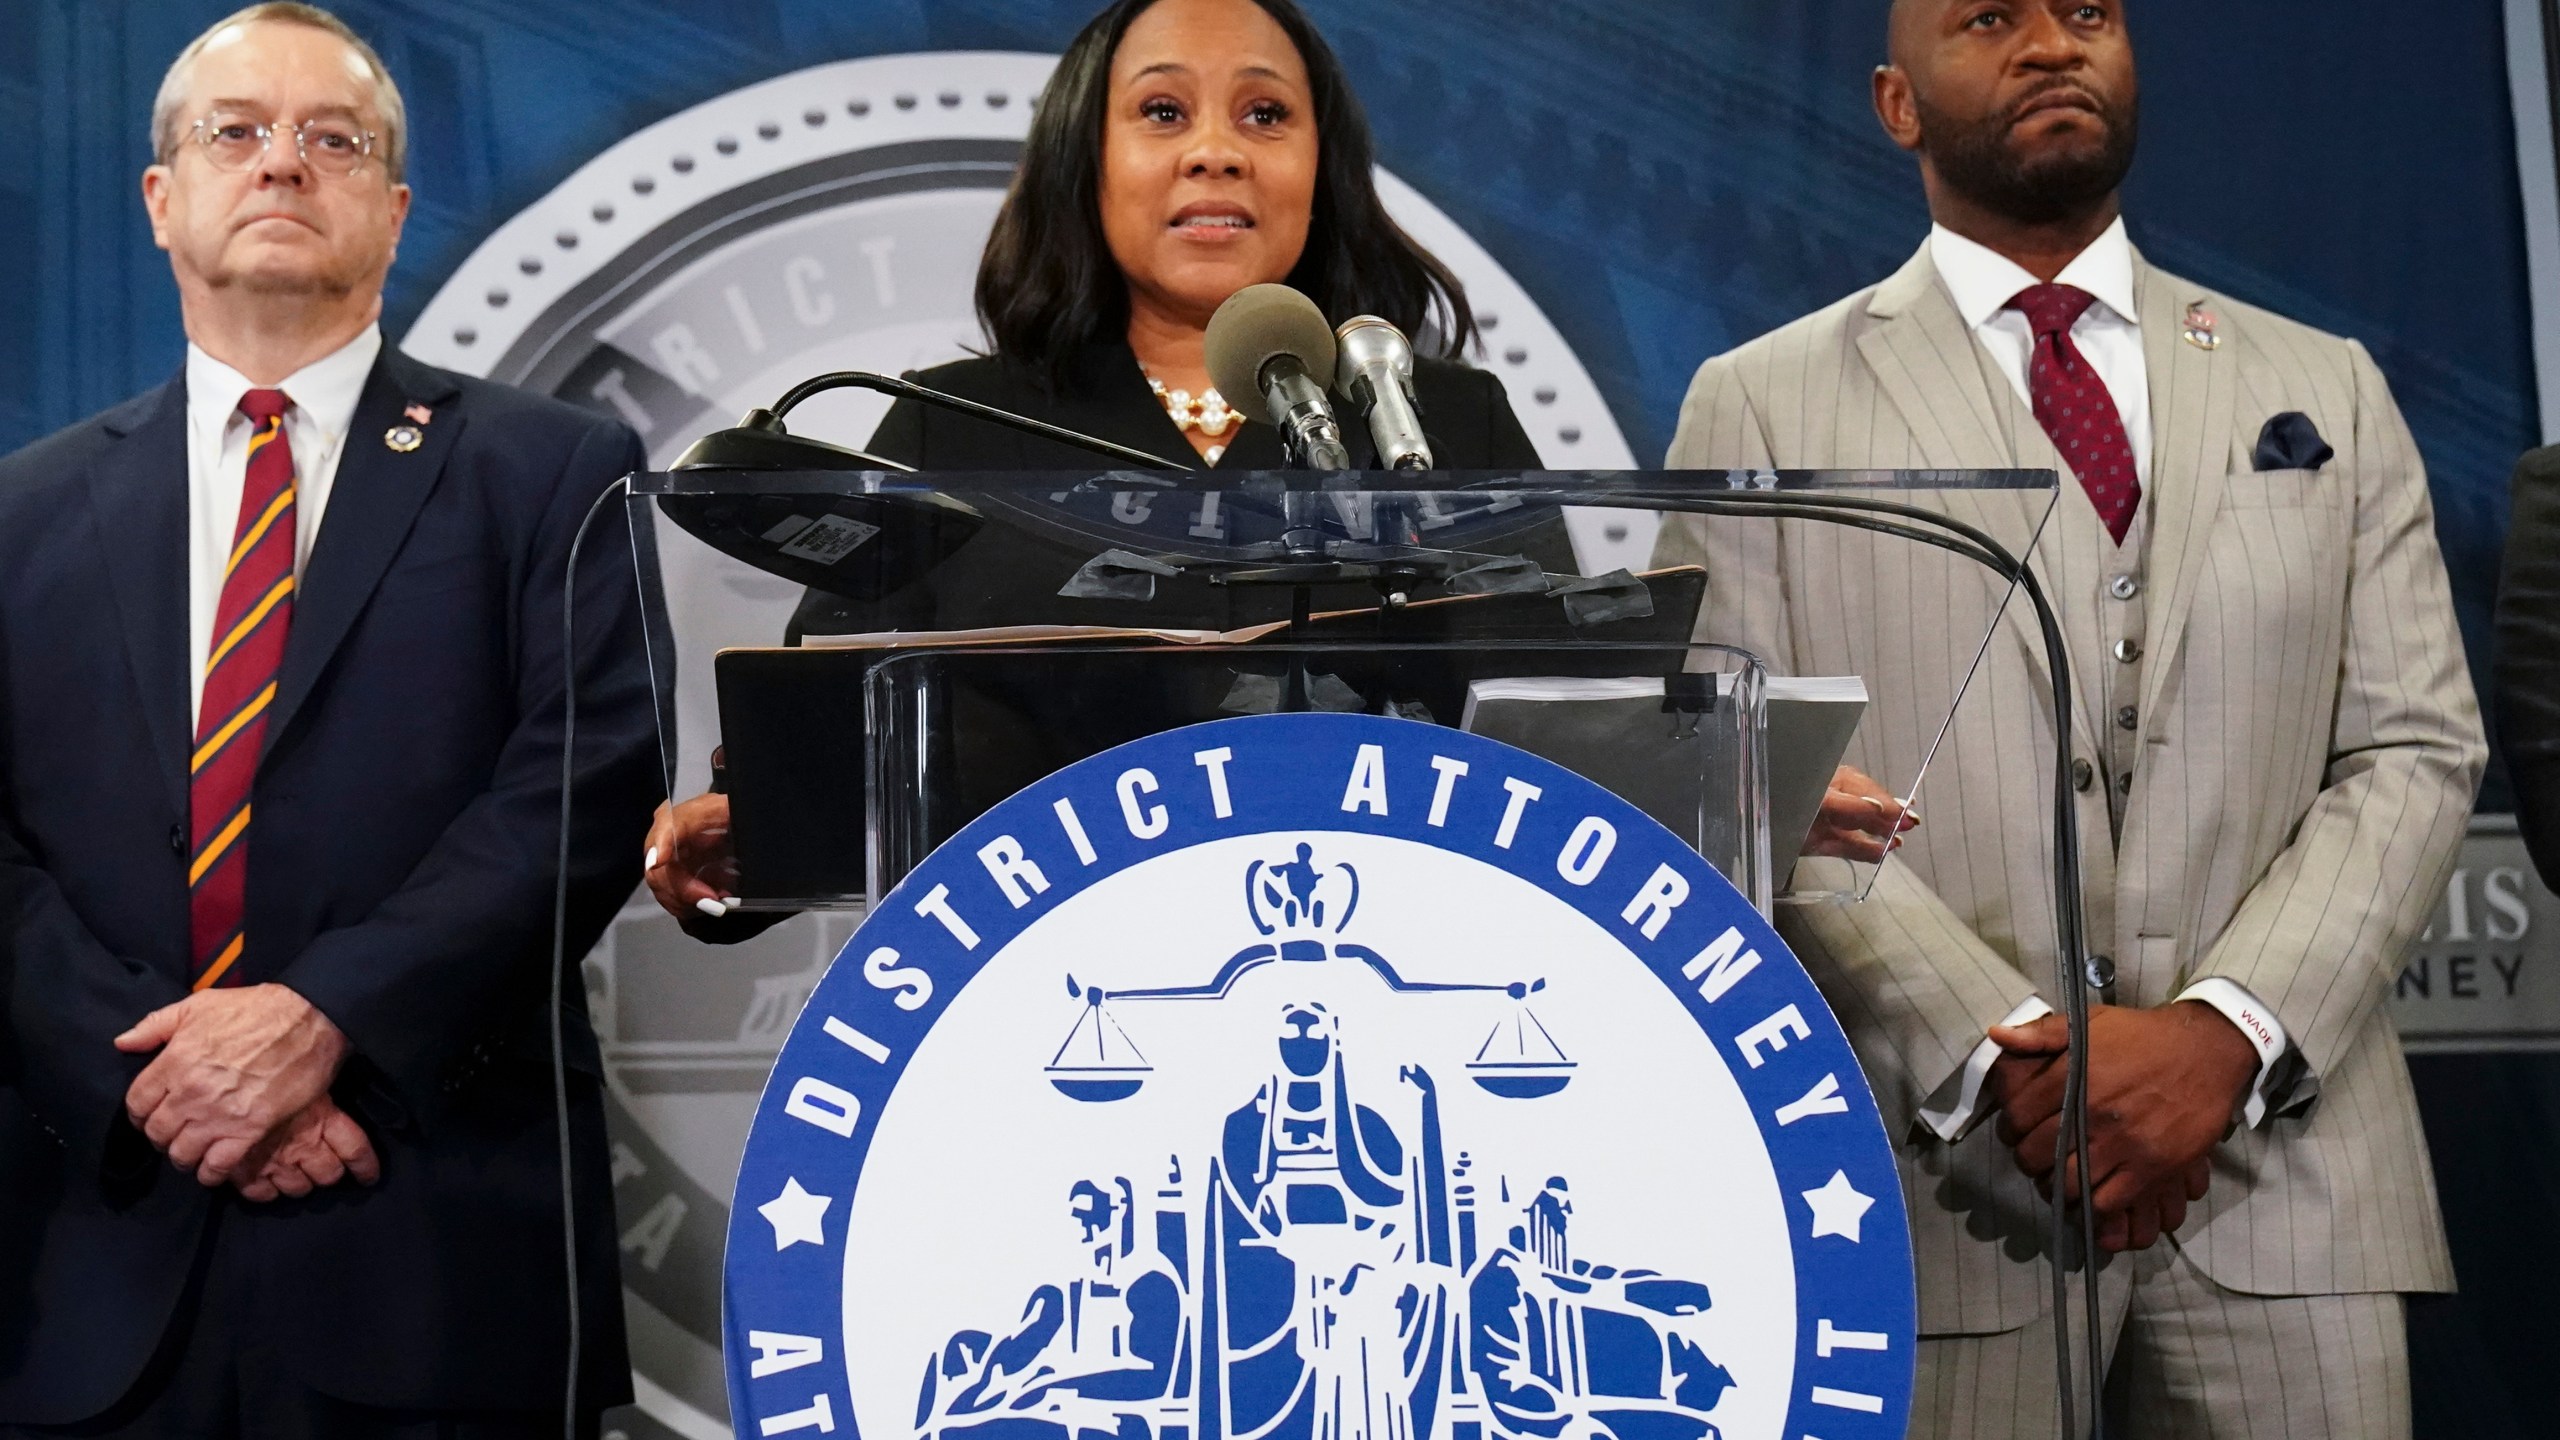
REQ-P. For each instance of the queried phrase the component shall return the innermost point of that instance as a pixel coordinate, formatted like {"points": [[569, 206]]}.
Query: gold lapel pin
{"points": [[2200, 328], [412, 434]]}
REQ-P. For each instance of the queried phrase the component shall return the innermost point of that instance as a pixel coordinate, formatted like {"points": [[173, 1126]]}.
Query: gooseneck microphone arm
{"points": [[925, 394], [1304, 416]]}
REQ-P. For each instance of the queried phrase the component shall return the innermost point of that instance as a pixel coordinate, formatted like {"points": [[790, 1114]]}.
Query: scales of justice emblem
{"points": [[1334, 1274], [1317, 1078]]}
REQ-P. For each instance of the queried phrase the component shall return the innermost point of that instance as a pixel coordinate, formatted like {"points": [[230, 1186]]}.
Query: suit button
{"points": [[2124, 783], [178, 840], [2128, 719], [2083, 775], [2102, 972], [2128, 651], [2125, 587]]}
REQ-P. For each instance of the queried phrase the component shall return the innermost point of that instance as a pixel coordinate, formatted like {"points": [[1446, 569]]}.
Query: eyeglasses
{"points": [[328, 146]]}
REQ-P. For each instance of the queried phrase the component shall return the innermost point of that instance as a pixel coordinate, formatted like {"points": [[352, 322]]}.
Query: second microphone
{"points": [[1271, 343]]}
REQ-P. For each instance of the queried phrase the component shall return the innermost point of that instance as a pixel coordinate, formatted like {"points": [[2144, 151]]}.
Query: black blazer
{"points": [[1009, 575], [401, 869], [2528, 669]]}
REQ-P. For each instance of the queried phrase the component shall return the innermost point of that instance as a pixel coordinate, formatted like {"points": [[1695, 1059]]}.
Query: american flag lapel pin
{"points": [[410, 433], [2201, 329]]}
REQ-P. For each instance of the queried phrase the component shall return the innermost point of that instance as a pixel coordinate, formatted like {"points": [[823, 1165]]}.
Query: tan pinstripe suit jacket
{"points": [[2304, 758]]}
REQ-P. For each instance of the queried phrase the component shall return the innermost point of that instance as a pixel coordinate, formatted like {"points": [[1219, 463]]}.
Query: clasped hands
{"points": [[2164, 1086], [239, 1093]]}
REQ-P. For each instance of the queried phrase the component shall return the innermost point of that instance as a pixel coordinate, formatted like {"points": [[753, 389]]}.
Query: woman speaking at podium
{"points": [[1182, 150]]}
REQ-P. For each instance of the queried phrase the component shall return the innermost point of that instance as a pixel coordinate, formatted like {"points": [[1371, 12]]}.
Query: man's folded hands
{"points": [[239, 1093], [2164, 1086]]}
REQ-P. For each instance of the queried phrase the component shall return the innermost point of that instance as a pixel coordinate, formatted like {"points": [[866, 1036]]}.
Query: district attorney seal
{"points": [[1317, 1076]]}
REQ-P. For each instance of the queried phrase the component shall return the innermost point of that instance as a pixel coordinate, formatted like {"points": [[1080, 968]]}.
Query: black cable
{"points": [[910, 390], [2072, 1136], [560, 942]]}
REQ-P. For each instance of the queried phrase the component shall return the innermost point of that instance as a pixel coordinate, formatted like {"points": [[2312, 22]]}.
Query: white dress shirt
{"points": [[324, 395], [1984, 281]]}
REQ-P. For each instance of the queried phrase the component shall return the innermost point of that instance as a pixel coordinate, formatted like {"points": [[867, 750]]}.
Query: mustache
{"points": [[2017, 109]]}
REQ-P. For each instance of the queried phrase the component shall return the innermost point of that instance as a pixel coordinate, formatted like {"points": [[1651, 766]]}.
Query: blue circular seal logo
{"points": [[1317, 1077]]}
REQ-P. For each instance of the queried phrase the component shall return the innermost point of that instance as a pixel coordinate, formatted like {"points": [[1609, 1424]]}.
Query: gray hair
{"points": [[167, 130]]}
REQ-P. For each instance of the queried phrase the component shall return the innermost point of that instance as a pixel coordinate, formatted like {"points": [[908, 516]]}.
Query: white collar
{"points": [[324, 391], [1984, 281]]}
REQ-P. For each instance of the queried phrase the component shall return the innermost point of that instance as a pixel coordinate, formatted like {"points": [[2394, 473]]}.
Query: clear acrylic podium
{"points": [[881, 656], [861, 753]]}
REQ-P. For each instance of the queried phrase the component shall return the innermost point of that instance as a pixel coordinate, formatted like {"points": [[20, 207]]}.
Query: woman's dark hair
{"points": [[1048, 287]]}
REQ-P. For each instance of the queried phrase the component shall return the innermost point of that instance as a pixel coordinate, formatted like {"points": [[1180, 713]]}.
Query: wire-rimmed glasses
{"points": [[330, 145]]}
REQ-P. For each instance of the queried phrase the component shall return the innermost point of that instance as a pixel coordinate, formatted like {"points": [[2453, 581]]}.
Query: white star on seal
{"points": [[1837, 1207], [795, 1215]]}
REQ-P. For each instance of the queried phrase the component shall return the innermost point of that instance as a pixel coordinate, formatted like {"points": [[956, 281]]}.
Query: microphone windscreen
{"points": [[1256, 324]]}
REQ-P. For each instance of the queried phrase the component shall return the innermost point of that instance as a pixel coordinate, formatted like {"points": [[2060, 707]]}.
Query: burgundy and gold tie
{"points": [[240, 668], [2076, 409]]}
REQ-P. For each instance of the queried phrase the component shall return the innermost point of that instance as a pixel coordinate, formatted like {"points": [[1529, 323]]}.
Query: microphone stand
{"points": [[1314, 443]]}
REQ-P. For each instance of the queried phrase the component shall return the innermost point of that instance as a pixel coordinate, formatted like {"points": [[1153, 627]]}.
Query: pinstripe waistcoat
{"points": [[2298, 729]]}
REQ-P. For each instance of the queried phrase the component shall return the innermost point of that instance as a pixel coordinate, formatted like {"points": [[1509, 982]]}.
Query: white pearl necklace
{"points": [[1209, 414]]}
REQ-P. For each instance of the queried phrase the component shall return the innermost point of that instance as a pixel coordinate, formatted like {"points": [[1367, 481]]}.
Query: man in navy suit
{"points": [[281, 719]]}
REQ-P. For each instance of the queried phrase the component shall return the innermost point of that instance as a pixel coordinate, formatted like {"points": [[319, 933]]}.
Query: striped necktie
{"points": [[240, 668]]}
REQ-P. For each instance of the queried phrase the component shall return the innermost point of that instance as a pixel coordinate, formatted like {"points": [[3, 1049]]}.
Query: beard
{"points": [[1982, 161]]}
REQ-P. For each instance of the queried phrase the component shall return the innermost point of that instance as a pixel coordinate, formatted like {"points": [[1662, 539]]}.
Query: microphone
{"points": [[1375, 372], [1272, 342]]}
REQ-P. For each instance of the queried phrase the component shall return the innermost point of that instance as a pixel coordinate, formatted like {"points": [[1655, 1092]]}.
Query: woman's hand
{"points": [[689, 866], [1860, 820]]}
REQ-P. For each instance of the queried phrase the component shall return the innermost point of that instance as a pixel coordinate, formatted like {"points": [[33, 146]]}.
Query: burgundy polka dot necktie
{"points": [[2074, 407]]}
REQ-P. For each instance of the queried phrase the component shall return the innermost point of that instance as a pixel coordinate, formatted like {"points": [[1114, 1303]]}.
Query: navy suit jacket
{"points": [[401, 862]]}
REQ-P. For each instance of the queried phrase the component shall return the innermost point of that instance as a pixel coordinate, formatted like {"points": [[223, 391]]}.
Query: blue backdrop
{"points": [[1667, 177]]}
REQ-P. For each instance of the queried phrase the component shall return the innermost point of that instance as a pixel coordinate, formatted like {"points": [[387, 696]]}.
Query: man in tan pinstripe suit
{"points": [[2276, 748]]}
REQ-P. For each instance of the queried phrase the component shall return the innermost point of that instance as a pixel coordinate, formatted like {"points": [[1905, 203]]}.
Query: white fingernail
{"points": [[710, 907], [650, 860]]}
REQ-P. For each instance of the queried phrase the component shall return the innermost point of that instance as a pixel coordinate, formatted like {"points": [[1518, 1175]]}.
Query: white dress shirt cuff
{"points": [[2253, 1020], [1949, 1112]]}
